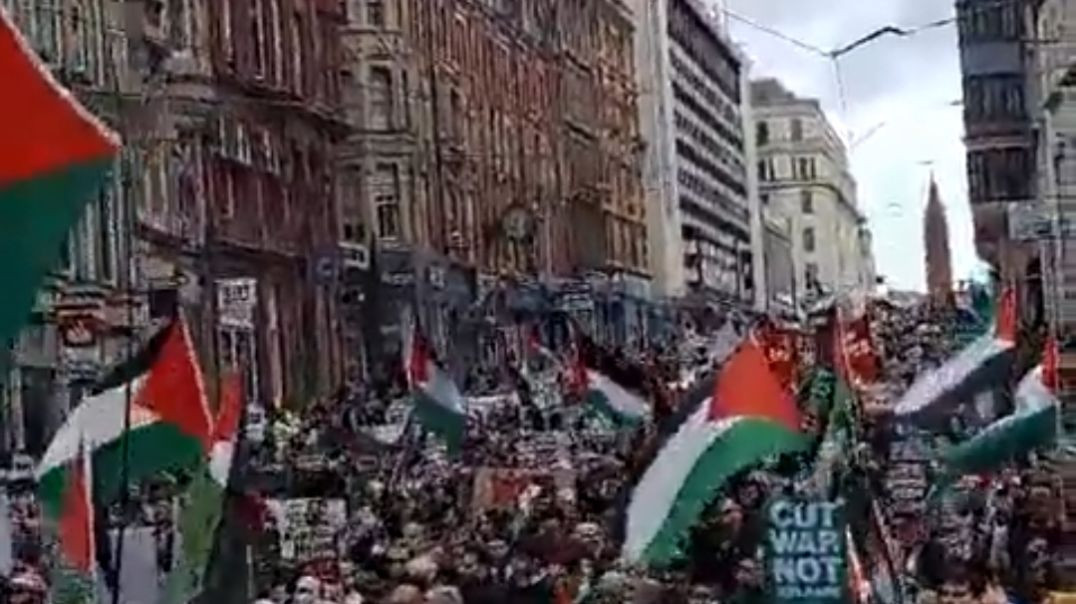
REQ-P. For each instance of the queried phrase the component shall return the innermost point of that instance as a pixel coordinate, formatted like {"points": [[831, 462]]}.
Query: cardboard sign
{"points": [[806, 551]]}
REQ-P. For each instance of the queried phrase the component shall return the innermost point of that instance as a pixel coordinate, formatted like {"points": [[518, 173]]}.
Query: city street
{"points": [[537, 302]]}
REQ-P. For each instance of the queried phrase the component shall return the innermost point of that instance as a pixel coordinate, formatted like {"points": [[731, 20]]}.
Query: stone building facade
{"points": [[705, 227], [223, 206], [804, 178], [496, 150], [239, 196]]}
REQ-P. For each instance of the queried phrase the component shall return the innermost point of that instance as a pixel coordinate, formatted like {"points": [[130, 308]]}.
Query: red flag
{"points": [[780, 349], [857, 359], [749, 386], [76, 531], [534, 341], [418, 365], [174, 388], [577, 379], [1051, 365]]}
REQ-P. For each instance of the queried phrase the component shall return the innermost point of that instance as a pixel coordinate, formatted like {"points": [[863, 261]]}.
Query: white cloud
{"points": [[899, 92]]}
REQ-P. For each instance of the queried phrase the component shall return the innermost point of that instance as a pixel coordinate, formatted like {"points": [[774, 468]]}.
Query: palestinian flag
{"points": [[204, 507], [616, 387], [749, 417], [226, 429], [1032, 424], [439, 405], [981, 366], [170, 425], [74, 516], [54, 157], [73, 579]]}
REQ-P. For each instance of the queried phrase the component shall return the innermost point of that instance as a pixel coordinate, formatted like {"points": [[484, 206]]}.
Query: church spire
{"points": [[936, 242]]}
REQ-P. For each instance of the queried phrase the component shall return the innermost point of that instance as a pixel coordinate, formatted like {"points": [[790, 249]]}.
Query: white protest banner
{"points": [[308, 527], [807, 551], [6, 555]]}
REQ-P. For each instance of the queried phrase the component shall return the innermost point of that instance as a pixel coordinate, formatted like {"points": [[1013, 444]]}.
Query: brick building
{"points": [[526, 171], [939, 262], [600, 139], [234, 132]]}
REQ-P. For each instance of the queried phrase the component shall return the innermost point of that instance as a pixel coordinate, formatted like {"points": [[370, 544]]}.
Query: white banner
{"points": [[5, 536], [308, 527], [236, 301]]}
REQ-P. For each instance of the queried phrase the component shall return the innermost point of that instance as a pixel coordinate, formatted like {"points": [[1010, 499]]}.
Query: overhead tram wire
{"points": [[834, 55], [774, 32]]}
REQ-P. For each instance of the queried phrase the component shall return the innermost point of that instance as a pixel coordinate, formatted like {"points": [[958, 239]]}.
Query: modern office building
{"points": [[704, 223]]}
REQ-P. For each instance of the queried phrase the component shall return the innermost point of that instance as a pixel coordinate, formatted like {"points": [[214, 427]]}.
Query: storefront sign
{"points": [[398, 279], [236, 301], [575, 302], [79, 331], [436, 277], [806, 551], [308, 527]]}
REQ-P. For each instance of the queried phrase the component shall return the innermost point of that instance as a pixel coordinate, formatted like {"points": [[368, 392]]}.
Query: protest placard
{"points": [[806, 551], [308, 527], [501, 488]]}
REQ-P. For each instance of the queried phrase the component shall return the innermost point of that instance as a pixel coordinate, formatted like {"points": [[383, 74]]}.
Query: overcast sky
{"points": [[898, 94]]}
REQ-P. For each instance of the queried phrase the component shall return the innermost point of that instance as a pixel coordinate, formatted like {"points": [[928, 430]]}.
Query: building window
{"points": [[806, 201], [807, 168], [226, 32], [385, 191], [808, 239], [375, 13], [994, 97], [810, 275], [47, 30], [797, 129], [763, 173], [991, 21], [297, 50], [106, 232], [354, 231], [78, 38], [764, 199], [276, 60], [762, 133], [179, 24], [380, 98], [258, 41], [230, 193]]}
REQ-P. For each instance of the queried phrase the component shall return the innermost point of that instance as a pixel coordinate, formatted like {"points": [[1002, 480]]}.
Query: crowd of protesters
{"points": [[530, 509], [994, 537]]}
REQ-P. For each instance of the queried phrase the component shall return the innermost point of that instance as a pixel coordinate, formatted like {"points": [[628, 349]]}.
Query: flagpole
{"points": [[130, 224], [410, 442]]}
